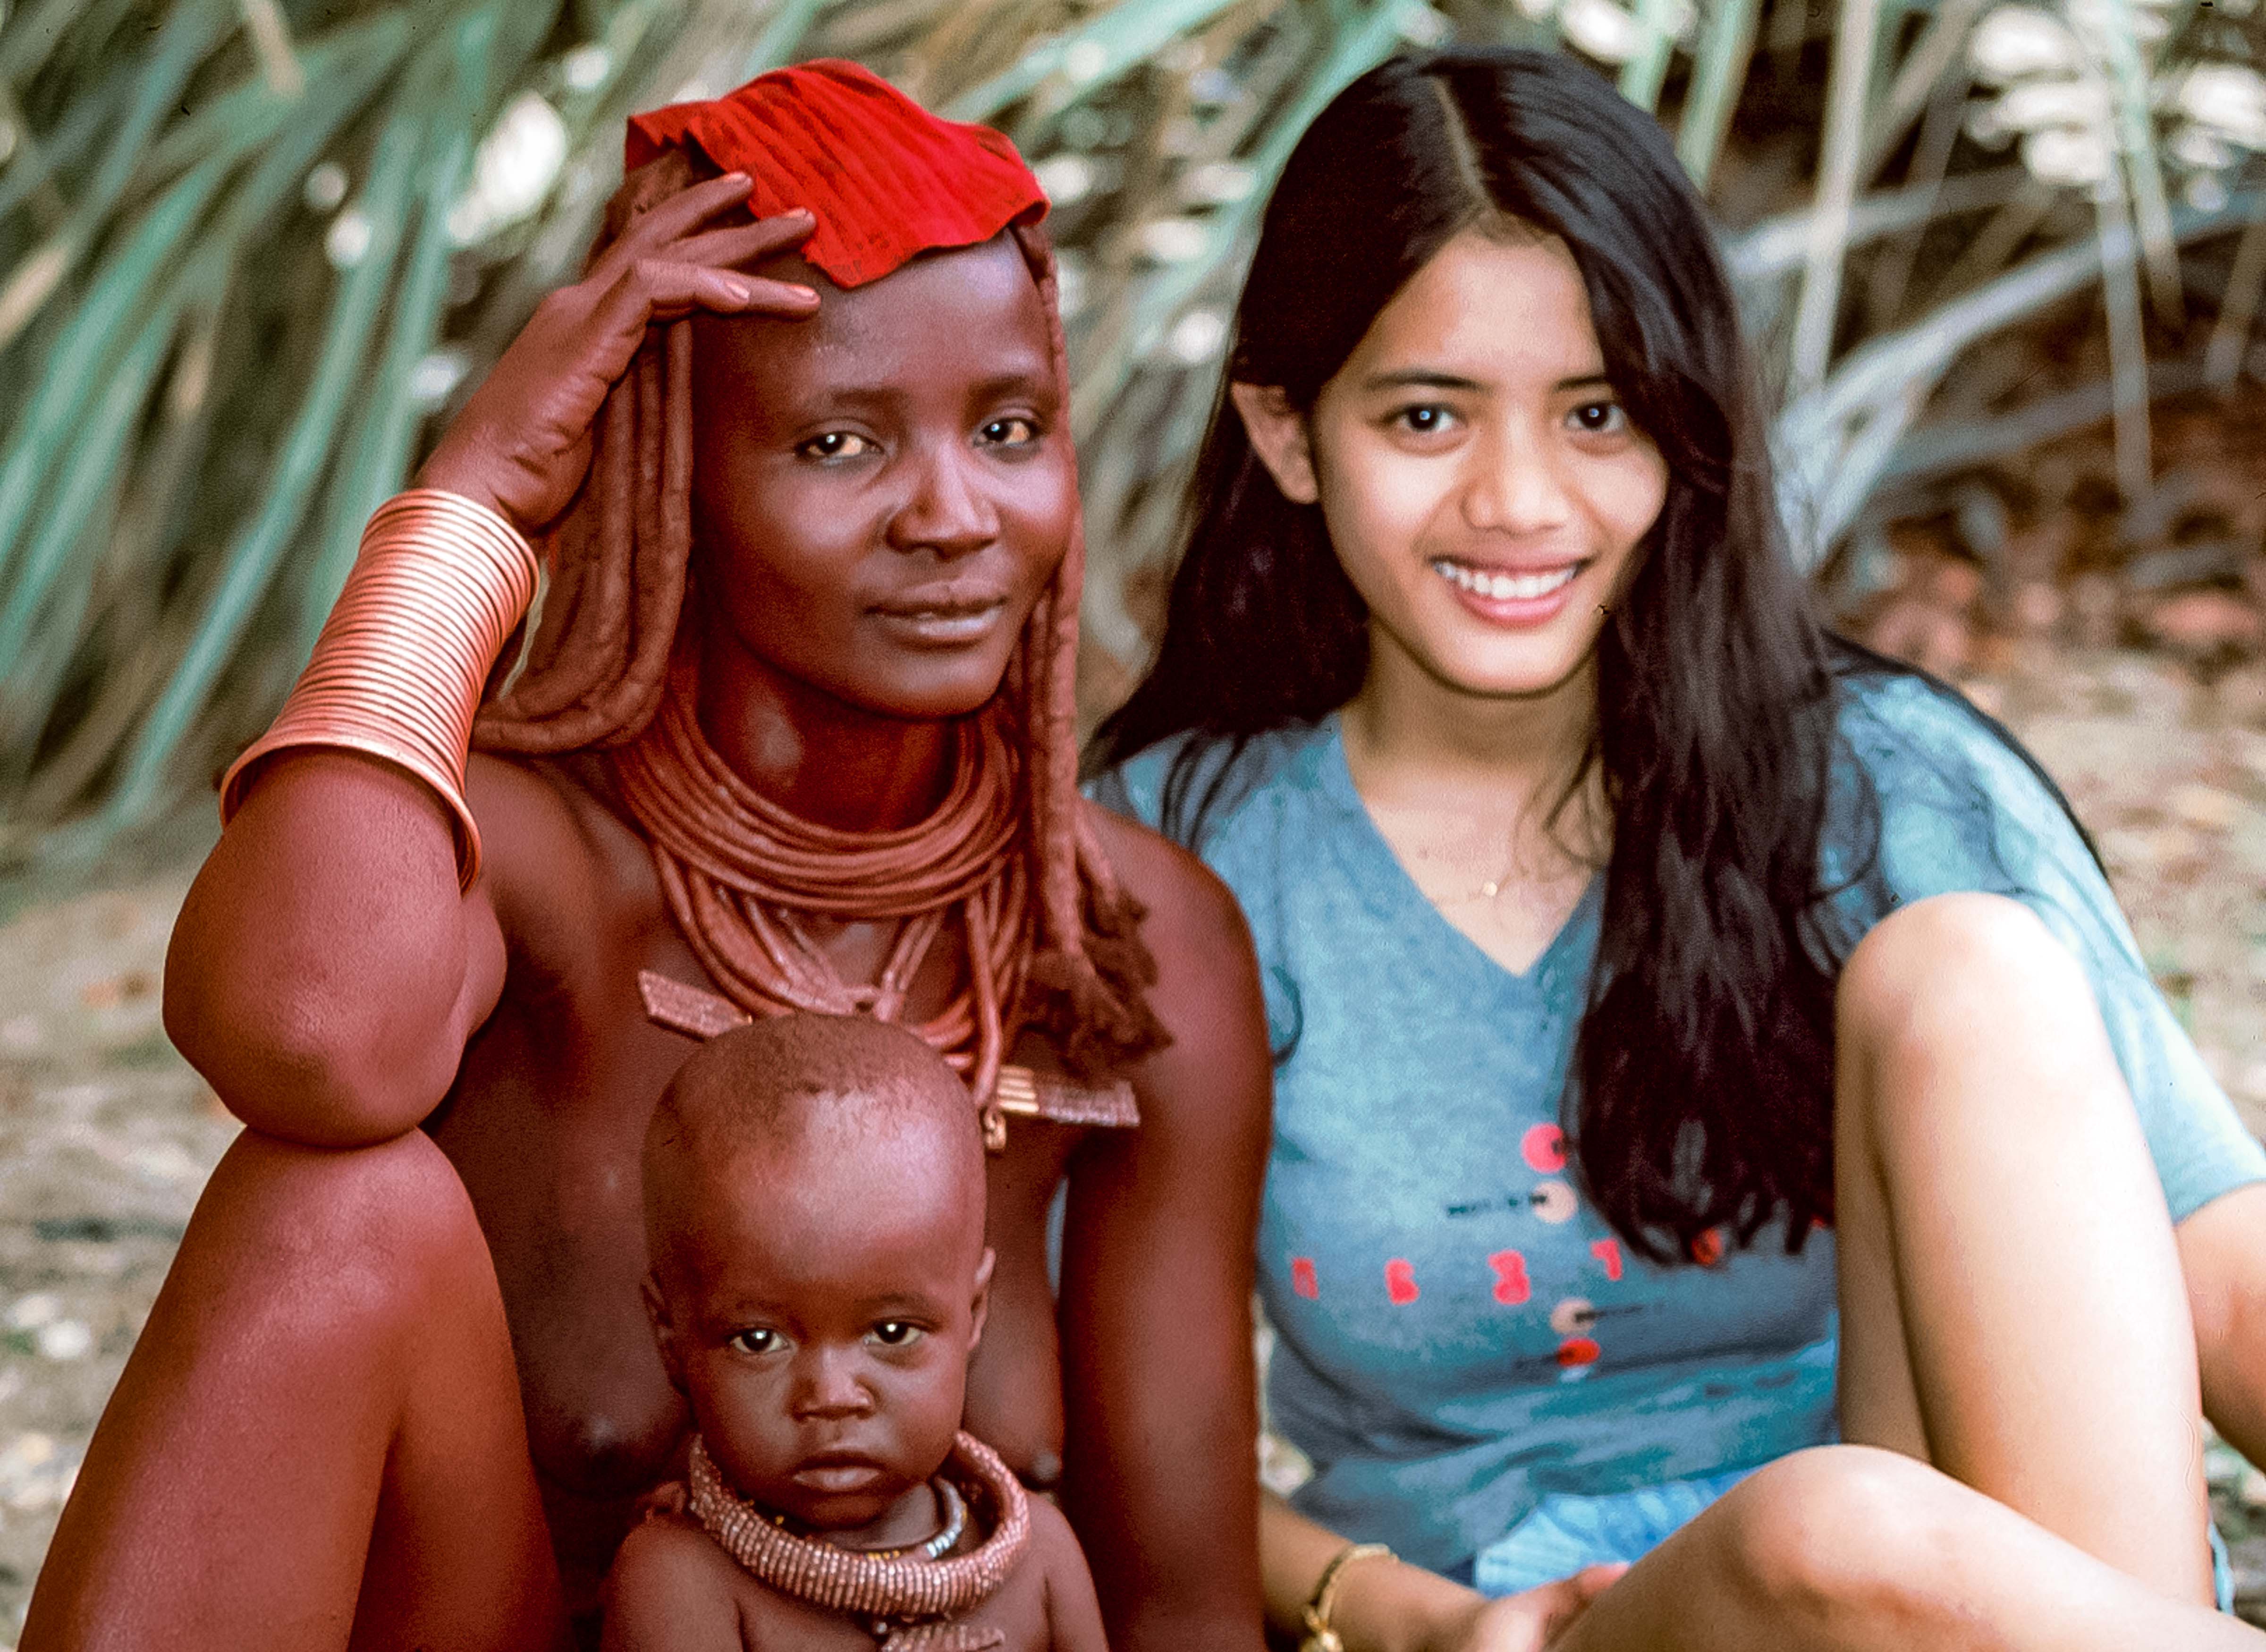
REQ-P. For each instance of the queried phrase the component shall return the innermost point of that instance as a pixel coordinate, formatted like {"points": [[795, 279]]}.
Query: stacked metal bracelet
{"points": [[405, 657]]}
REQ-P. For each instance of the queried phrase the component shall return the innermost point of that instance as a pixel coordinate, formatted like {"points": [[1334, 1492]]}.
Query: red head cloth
{"points": [[886, 178]]}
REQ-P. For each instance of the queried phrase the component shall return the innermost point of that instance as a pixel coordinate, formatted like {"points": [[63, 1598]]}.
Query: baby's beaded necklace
{"points": [[906, 1598]]}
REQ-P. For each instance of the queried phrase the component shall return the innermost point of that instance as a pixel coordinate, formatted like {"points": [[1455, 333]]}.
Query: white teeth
{"points": [[1504, 587]]}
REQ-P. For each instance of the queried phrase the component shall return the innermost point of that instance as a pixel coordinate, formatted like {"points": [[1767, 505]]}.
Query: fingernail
{"points": [[802, 292], [738, 176]]}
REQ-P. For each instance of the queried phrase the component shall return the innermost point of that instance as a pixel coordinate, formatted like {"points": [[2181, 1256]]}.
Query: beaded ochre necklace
{"points": [[740, 872], [907, 1599]]}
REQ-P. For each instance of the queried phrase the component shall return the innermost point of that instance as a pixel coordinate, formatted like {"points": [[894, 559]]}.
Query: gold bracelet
{"points": [[1316, 1612]]}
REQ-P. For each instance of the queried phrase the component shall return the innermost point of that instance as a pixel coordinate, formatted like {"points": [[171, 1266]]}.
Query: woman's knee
{"points": [[1965, 983], [1963, 961], [375, 1234], [1839, 1532]]}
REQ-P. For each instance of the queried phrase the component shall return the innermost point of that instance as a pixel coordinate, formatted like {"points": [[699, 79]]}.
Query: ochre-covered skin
{"points": [[330, 980], [814, 1200]]}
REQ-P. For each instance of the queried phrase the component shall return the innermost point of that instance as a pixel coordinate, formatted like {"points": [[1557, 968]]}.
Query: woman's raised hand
{"points": [[524, 440]]}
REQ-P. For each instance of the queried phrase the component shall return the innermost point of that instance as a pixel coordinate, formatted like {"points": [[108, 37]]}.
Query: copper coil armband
{"points": [[399, 668]]}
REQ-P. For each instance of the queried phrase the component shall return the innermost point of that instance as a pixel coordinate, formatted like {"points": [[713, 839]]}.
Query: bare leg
{"points": [[2223, 1251], [2011, 1312], [1849, 1549], [2011, 1305], [317, 1442]]}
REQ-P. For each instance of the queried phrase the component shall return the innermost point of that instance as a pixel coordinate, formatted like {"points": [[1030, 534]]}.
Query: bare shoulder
{"points": [[671, 1587], [669, 1550], [555, 855], [1192, 916], [529, 826], [1214, 1077], [1073, 1614], [1055, 1547]]}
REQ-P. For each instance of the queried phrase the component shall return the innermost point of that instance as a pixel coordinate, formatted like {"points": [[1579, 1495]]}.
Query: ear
{"points": [[981, 1306], [1279, 437], [664, 1332]]}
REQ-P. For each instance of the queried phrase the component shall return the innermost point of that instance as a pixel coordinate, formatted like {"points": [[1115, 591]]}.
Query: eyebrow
{"points": [[1035, 381], [903, 1305], [1432, 378]]}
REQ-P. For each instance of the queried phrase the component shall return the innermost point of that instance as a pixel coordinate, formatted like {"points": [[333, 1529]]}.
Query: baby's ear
{"points": [[981, 1306], [664, 1331]]}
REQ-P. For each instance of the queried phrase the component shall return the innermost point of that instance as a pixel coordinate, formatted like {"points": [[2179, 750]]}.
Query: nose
{"points": [[827, 1385], [1515, 485], [948, 511]]}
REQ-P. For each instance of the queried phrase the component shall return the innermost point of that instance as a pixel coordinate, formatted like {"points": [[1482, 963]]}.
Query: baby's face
{"points": [[819, 1322]]}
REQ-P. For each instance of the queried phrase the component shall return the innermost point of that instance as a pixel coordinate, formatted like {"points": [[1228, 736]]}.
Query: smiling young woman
{"points": [[1698, 1042]]}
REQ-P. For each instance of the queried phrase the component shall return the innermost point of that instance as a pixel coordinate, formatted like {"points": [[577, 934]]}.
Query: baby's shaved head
{"points": [[807, 1102]]}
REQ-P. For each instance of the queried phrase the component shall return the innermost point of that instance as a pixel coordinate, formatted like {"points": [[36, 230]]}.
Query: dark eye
{"points": [[896, 1333], [1599, 418], [835, 444], [1010, 433], [756, 1340], [1428, 419]]}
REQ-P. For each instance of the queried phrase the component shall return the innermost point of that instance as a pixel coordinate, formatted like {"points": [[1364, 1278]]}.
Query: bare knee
{"points": [[381, 1234], [1966, 984], [1839, 1535], [1957, 963]]}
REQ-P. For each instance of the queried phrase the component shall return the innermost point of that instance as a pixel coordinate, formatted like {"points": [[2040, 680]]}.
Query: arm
{"points": [[664, 1594], [325, 971], [2223, 1253], [1388, 1605], [1161, 1471], [1073, 1615]]}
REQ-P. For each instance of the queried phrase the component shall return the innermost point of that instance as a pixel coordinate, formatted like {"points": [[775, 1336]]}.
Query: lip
{"points": [[1514, 613], [838, 1472], [951, 615]]}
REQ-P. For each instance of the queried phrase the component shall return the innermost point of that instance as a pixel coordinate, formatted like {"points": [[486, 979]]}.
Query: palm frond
{"points": [[252, 251]]}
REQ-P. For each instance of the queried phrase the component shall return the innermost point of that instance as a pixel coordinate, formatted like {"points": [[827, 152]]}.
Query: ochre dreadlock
{"points": [[596, 671]]}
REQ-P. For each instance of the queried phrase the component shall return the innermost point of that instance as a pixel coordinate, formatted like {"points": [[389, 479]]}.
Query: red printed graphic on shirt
{"points": [[1510, 1282], [1578, 1350], [1543, 1148]]}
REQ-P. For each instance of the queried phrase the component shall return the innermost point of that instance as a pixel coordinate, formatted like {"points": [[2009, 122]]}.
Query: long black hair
{"points": [[1703, 1080]]}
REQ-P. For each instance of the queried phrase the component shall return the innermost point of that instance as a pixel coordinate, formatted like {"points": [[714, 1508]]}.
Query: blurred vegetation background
{"points": [[252, 251]]}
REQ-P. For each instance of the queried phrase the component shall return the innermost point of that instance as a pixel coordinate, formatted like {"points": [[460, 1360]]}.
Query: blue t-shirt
{"points": [[1460, 1335]]}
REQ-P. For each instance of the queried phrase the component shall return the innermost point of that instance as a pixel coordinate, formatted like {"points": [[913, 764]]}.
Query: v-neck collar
{"points": [[1380, 872]]}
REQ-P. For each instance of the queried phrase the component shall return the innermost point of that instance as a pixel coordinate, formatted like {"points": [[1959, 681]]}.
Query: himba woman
{"points": [[1622, 933], [793, 729]]}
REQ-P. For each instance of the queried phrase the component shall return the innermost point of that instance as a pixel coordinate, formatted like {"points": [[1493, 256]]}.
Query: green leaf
{"points": [[252, 556], [1718, 70], [376, 454], [74, 370], [1642, 76], [1094, 55], [91, 472]]}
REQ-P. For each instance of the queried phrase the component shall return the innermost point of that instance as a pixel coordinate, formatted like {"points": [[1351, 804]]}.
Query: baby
{"points": [[814, 1199]]}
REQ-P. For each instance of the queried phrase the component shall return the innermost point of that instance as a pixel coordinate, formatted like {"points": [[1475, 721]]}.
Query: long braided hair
{"points": [[592, 670]]}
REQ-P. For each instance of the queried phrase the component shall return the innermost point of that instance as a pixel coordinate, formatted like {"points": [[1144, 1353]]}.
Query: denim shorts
{"points": [[1565, 1532]]}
